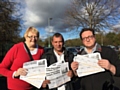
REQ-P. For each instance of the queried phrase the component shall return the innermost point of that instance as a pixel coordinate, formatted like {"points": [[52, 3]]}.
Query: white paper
{"points": [[57, 74], [36, 72], [88, 64]]}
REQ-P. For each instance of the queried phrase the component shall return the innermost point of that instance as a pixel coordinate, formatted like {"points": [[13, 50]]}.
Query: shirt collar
{"points": [[57, 53]]}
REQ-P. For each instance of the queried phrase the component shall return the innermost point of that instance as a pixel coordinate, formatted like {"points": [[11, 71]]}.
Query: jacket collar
{"points": [[97, 48]]}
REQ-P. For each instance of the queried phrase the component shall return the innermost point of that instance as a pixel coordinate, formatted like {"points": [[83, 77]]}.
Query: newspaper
{"points": [[57, 74], [36, 72], [88, 64]]}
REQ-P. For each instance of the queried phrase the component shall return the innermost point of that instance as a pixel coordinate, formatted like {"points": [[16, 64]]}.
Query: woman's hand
{"points": [[20, 71]]}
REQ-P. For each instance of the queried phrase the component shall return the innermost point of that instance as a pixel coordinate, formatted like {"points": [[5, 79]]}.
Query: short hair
{"points": [[58, 35], [86, 29], [31, 29]]}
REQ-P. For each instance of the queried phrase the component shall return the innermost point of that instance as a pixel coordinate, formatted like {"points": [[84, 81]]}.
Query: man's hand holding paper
{"points": [[86, 64], [58, 74]]}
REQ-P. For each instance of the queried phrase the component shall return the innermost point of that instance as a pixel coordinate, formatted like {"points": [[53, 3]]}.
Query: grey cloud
{"points": [[41, 10]]}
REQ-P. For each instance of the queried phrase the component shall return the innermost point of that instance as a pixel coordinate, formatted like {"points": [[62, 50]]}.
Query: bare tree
{"points": [[97, 14]]}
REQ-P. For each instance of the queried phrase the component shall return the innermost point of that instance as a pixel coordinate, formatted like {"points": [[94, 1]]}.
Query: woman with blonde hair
{"points": [[12, 64]]}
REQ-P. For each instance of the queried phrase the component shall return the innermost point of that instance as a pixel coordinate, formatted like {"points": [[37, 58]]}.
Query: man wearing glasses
{"points": [[109, 61]]}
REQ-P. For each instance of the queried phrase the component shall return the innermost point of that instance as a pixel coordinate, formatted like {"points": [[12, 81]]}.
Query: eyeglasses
{"points": [[35, 37], [89, 37]]}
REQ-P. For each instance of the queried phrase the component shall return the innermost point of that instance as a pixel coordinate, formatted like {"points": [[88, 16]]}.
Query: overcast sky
{"points": [[37, 13]]}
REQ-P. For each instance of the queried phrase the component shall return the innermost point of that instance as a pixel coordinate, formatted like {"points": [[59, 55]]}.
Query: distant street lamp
{"points": [[102, 37], [49, 30]]}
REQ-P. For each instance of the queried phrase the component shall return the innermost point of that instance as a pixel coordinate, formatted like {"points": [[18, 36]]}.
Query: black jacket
{"points": [[102, 80], [51, 58]]}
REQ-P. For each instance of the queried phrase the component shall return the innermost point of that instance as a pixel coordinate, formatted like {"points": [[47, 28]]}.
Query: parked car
{"points": [[73, 50], [46, 49], [116, 48], [79, 48]]}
